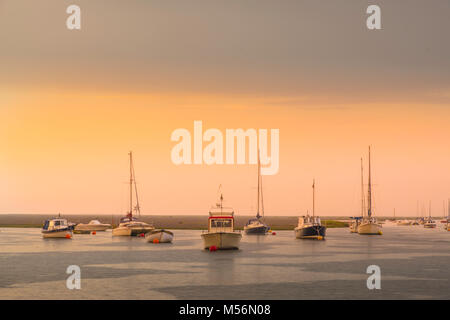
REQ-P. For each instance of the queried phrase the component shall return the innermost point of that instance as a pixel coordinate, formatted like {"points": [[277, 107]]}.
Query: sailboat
{"points": [[429, 223], [356, 221], [221, 234], [129, 225], [256, 225], [369, 225], [310, 227]]}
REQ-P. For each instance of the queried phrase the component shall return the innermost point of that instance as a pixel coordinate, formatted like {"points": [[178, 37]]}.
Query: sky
{"points": [[74, 103]]}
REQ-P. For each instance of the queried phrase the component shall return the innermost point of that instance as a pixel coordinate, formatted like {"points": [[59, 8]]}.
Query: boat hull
{"points": [[161, 236], [311, 232], [429, 225], [131, 231], [256, 230], [370, 228], [222, 240], [82, 228], [62, 234]]}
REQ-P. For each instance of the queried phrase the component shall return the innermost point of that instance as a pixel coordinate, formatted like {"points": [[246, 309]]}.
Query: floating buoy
{"points": [[212, 248], [94, 233], [142, 235], [68, 236], [319, 238], [155, 241], [274, 233], [380, 232]]}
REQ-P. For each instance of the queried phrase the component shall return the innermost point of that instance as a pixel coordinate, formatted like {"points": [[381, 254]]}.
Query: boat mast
{"points": [[429, 212], [362, 189], [259, 186], [313, 187], [131, 185], [138, 207], [369, 194]]}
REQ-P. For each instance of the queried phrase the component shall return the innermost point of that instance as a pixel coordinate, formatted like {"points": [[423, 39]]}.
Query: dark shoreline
{"points": [[193, 222]]}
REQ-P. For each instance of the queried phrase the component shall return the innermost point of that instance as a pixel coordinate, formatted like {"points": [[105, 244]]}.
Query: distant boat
{"points": [[256, 225], [129, 225], [93, 225], [159, 236], [57, 228], [221, 234], [404, 222], [310, 227], [429, 223], [369, 225]]}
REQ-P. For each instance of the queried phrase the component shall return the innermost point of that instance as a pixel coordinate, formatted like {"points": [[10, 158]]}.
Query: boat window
{"points": [[46, 225], [221, 223], [56, 223]]}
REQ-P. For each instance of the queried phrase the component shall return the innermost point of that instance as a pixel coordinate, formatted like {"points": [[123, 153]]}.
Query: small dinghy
{"points": [[159, 236], [57, 228]]}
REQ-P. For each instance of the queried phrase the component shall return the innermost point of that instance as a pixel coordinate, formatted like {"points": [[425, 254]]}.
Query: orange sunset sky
{"points": [[74, 103]]}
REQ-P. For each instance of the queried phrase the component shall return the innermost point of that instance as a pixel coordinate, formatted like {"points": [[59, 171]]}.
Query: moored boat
{"points": [[429, 222], [159, 236], [256, 226], [310, 227], [369, 224], [93, 225], [404, 222], [130, 225], [56, 228], [369, 227], [221, 234]]}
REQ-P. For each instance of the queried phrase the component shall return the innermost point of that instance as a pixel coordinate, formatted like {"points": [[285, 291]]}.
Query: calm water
{"points": [[414, 264]]}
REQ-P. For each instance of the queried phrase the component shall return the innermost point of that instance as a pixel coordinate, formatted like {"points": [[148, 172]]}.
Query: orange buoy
{"points": [[212, 248], [155, 241], [274, 233], [68, 236], [94, 233]]}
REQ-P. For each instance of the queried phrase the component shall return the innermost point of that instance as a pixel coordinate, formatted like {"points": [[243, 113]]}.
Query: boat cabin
{"points": [[55, 224], [308, 220], [221, 220]]}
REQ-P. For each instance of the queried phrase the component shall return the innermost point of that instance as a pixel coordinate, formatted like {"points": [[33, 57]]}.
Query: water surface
{"points": [[414, 264]]}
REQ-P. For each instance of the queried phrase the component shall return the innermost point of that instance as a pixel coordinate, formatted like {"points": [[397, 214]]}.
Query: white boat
{"points": [[369, 225], [130, 225], [159, 236], [93, 225], [429, 222], [256, 225], [56, 228], [221, 234]]}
